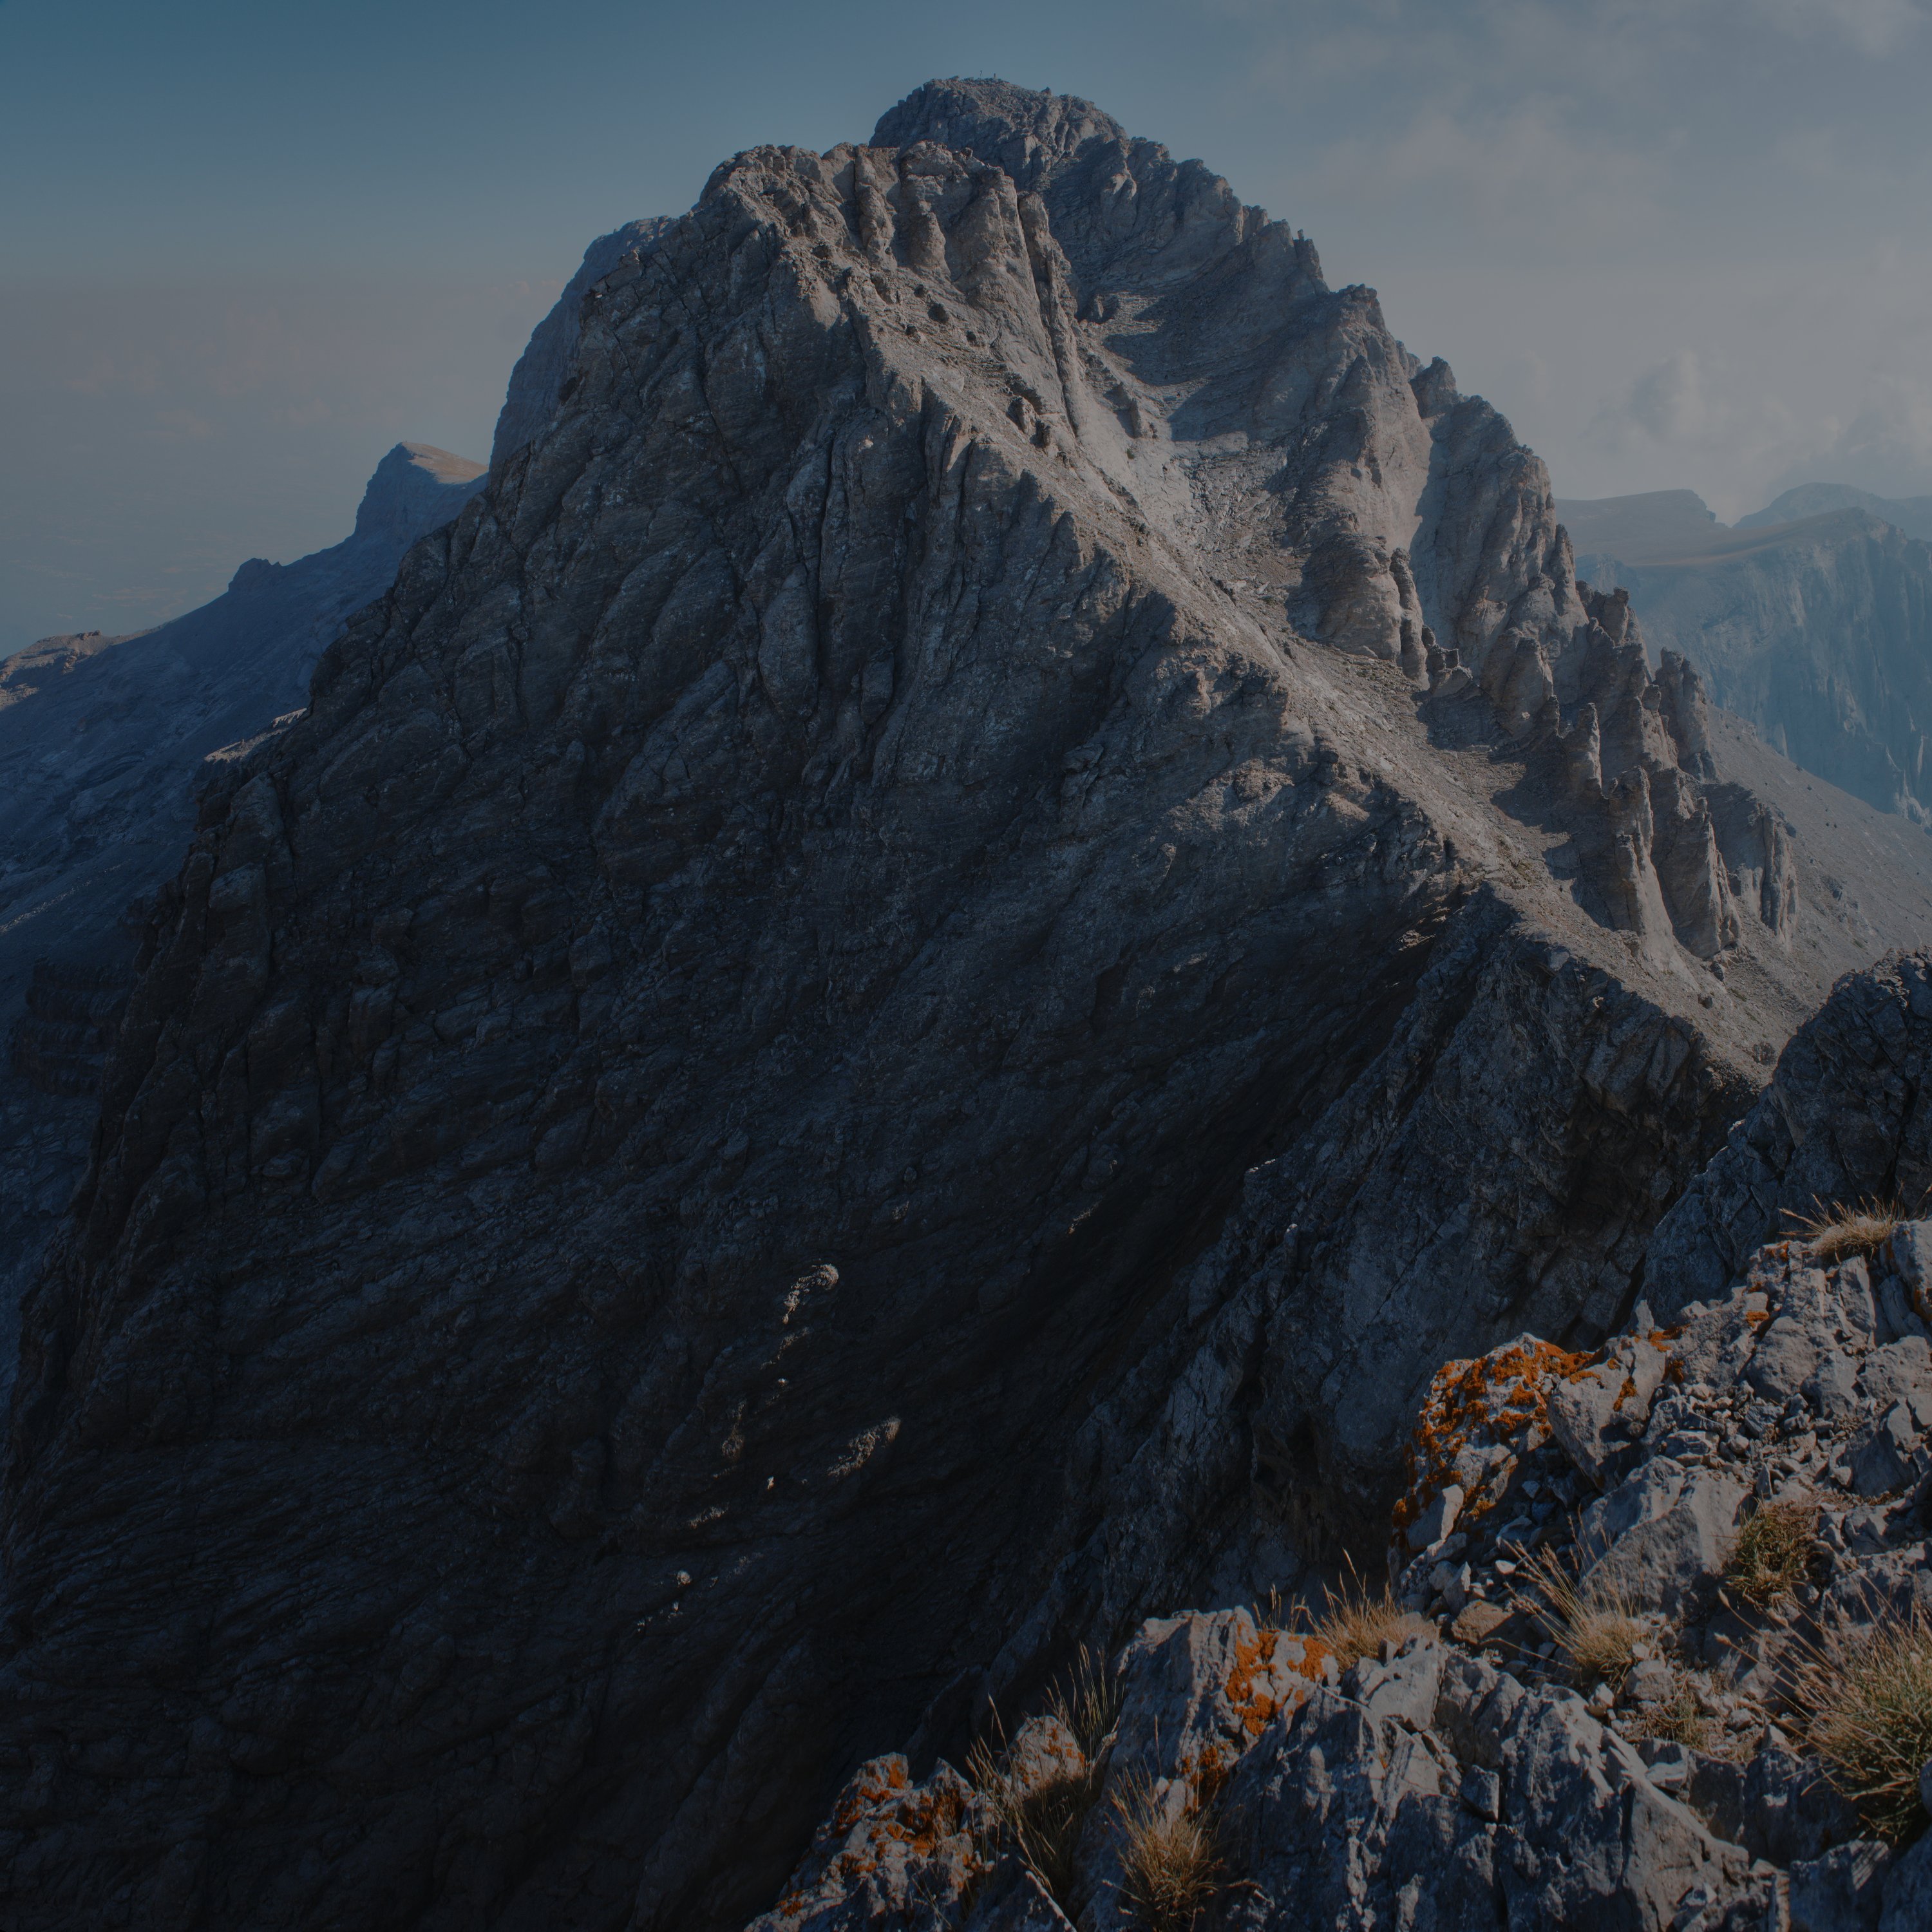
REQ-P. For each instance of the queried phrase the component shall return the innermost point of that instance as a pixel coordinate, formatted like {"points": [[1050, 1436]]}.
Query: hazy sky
{"points": [[244, 247]]}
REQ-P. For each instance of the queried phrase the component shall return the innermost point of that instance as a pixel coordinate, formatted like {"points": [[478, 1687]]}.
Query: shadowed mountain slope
{"points": [[102, 740]]}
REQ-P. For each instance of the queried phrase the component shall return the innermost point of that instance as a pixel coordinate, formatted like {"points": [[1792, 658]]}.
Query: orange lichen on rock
{"points": [[903, 1837], [1253, 1705], [1494, 1400], [1257, 1687]]}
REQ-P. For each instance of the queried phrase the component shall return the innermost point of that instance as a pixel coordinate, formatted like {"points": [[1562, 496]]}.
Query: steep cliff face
{"points": [[101, 741], [1001, 863], [545, 366], [1818, 630]]}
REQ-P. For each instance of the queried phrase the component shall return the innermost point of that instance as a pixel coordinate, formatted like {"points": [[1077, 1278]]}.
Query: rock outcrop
{"points": [[892, 1007], [1816, 625], [536, 383], [1605, 1703], [103, 741]]}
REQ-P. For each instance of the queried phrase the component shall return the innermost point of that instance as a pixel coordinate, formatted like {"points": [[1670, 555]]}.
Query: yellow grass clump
{"points": [[1773, 1551], [1595, 1629], [1170, 1865], [1865, 1694], [1679, 1721], [1043, 1821], [1836, 1230], [1354, 1623]]}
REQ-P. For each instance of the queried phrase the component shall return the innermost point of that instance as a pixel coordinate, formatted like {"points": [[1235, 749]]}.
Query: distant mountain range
{"points": [[1912, 514], [1812, 618], [101, 741]]}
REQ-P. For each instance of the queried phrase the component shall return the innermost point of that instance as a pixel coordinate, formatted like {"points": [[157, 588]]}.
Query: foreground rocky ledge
{"points": [[1597, 1699]]}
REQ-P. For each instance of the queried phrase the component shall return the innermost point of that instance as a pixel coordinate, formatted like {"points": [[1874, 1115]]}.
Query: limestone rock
{"points": [[1845, 1120], [1660, 1537], [891, 1852], [1841, 1891]]}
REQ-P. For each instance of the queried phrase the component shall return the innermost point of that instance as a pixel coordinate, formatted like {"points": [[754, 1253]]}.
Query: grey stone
{"points": [[1908, 1890], [1842, 1891], [1910, 1250], [1195, 1689], [1844, 1121], [891, 1853], [1787, 1357], [1406, 1689], [1438, 1520], [1899, 1372], [1897, 1315], [1013, 1899], [1482, 1793], [1880, 1455], [1652, 1681], [1657, 1540], [1594, 1414], [1778, 1806]]}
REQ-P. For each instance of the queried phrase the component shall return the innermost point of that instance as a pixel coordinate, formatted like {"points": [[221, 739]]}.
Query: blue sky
{"points": [[243, 248]]}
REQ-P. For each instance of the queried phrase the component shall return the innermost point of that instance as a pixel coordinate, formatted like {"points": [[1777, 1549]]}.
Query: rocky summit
{"points": [[886, 1016]]}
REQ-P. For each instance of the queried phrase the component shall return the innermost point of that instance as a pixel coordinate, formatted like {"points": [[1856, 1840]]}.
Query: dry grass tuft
{"points": [[1043, 1824], [1170, 1866], [1775, 1551], [1354, 1624], [1865, 1695], [1595, 1631], [1086, 1700], [1680, 1721], [1838, 1230]]}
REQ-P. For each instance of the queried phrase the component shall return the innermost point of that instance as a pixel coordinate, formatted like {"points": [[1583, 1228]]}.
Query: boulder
{"points": [[1842, 1891], [1661, 1537], [890, 1852]]}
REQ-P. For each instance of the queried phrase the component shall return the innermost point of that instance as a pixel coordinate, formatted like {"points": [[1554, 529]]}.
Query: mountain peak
{"points": [[414, 480], [991, 116]]}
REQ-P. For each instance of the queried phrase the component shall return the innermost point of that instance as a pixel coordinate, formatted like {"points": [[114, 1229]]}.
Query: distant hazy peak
{"points": [[441, 466], [415, 487], [1653, 523], [1912, 514], [532, 396]]}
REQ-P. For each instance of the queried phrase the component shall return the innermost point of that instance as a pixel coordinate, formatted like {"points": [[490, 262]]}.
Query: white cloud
{"points": [[1873, 27]]}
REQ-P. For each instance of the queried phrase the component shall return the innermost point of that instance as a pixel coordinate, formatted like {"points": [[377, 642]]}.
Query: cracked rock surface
{"points": [[892, 1007]]}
